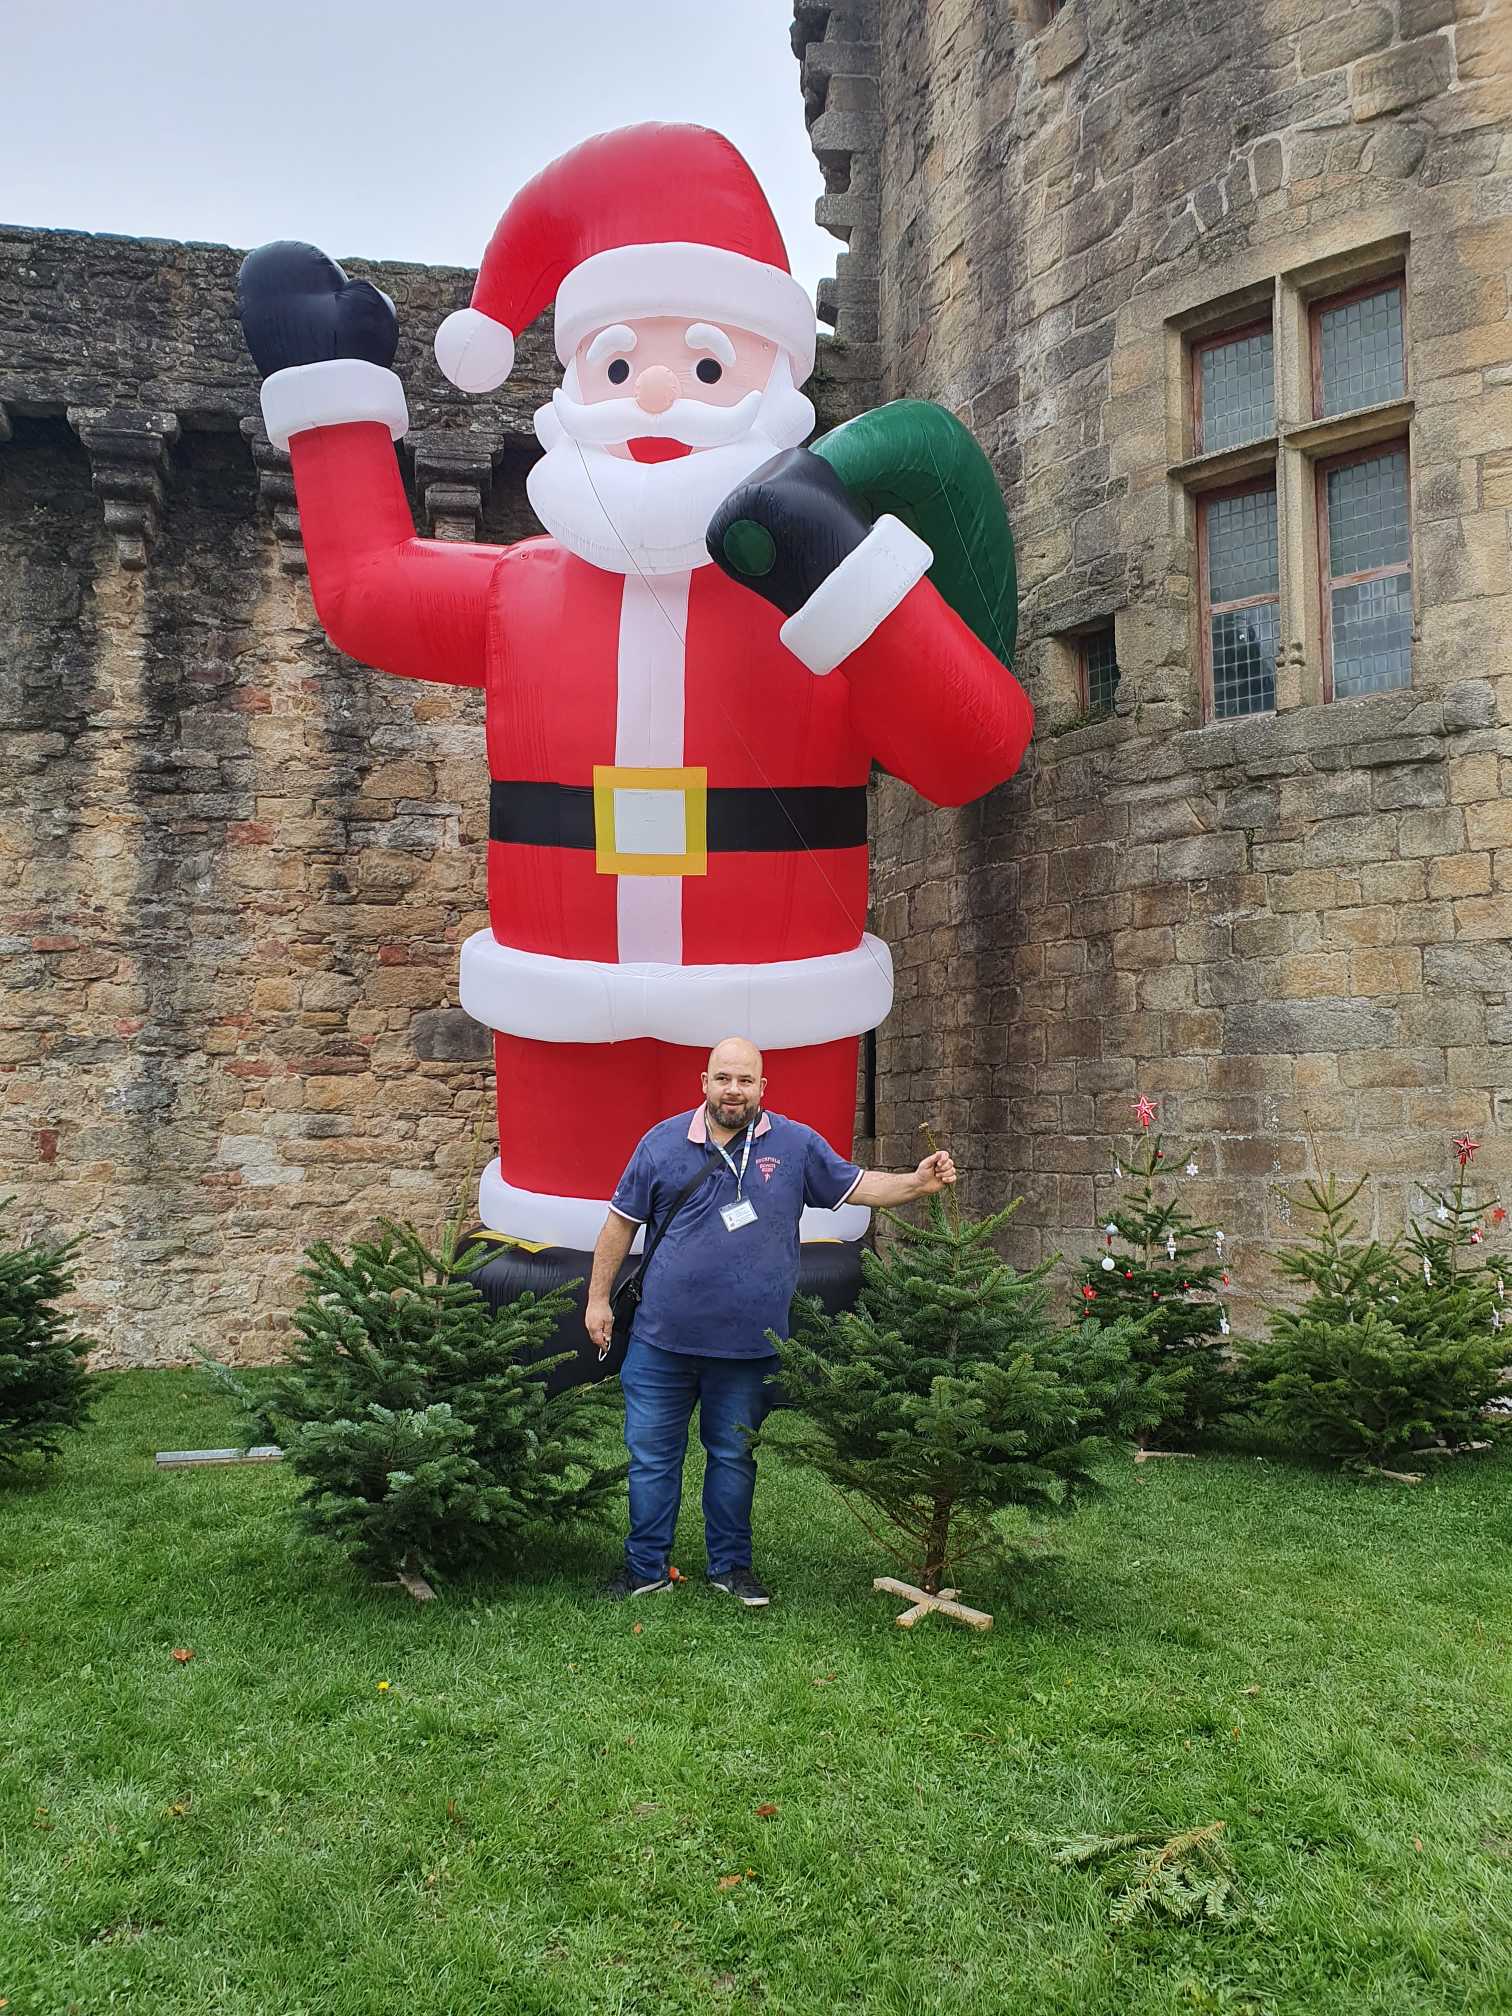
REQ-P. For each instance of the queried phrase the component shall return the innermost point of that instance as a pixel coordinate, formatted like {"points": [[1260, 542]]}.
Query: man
{"points": [[722, 1277]]}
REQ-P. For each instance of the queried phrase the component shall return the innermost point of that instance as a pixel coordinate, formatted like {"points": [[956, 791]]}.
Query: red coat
{"points": [[586, 670]]}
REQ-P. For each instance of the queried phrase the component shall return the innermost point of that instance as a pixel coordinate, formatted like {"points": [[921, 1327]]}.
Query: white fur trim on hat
{"points": [[862, 593], [329, 395], [783, 1004], [705, 282], [476, 353], [576, 1222]]}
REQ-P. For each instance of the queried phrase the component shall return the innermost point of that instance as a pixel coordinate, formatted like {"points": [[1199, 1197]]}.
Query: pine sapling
{"points": [[419, 1418], [1162, 1268], [949, 1395], [45, 1390]]}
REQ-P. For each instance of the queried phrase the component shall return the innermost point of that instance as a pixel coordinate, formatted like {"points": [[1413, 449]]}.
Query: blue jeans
{"points": [[661, 1389]]}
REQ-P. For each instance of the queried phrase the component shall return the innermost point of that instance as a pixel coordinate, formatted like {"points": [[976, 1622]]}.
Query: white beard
{"points": [[651, 517]]}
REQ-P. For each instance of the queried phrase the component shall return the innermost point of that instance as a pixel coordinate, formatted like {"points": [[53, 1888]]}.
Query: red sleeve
{"points": [[932, 703], [404, 604]]}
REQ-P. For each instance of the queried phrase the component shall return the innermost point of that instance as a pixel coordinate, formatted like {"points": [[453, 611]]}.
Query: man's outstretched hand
{"points": [[298, 307], [935, 1172]]}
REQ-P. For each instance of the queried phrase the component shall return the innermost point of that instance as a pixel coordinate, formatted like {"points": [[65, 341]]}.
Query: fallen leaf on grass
{"points": [[180, 1807], [1249, 1690], [644, 1806], [636, 1629], [767, 1811], [826, 1680], [183, 1654], [676, 1575], [728, 1882]]}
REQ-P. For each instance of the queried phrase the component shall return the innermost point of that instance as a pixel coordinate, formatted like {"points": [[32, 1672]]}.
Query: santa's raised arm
{"points": [[677, 844]]}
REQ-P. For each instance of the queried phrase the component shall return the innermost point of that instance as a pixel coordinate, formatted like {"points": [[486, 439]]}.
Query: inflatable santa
{"points": [[687, 678]]}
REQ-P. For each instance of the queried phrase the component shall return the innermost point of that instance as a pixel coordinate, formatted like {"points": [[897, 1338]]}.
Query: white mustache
{"points": [[608, 423]]}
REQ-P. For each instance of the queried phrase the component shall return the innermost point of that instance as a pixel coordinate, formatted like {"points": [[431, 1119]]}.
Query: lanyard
{"points": [[738, 1174]]}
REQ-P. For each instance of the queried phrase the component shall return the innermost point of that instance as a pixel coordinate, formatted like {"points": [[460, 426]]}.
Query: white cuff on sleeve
{"points": [[862, 593], [328, 395]]}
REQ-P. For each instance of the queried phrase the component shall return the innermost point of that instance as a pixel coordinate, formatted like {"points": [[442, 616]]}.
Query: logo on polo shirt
{"points": [[768, 1165]]}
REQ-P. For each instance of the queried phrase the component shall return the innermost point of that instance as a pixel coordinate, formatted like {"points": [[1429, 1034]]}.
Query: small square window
{"points": [[1233, 389], [1241, 585], [1367, 571], [1098, 669], [1359, 350]]}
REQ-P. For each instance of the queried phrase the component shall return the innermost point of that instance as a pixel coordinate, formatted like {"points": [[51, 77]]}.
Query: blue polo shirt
{"points": [[709, 1291]]}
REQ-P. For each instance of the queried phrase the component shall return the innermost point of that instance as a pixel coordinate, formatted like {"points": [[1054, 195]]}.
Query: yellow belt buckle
{"points": [[645, 812]]}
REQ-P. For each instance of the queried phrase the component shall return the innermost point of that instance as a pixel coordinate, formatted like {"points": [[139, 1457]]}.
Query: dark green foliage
{"points": [[1185, 1879], [1176, 1296], [949, 1395], [1397, 1350], [44, 1388], [415, 1414]]}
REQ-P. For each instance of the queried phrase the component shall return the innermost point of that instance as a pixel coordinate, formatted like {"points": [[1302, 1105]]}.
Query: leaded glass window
{"points": [[1099, 669], [1368, 590], [1359, 351], [1241, 600], [1235, 390]]}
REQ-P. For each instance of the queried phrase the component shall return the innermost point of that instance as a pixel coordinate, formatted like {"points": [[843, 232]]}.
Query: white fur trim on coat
{"points": [[782, 1004], [862, 593], [576, 1222], [330, 394], [704, 282]]}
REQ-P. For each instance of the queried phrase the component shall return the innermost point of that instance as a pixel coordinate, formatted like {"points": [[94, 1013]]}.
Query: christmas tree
{"points": [[418, 1418], [1397, 1350], [949, 1394], [44, 1388], [1160, 1266]]}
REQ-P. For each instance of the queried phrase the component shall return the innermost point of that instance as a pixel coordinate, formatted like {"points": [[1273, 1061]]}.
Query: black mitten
{"points": [[786, 528], [298, 307]]}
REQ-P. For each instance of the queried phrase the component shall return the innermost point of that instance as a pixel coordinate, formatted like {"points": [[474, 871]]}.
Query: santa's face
{"points": [[655, 368], [658, 420]]}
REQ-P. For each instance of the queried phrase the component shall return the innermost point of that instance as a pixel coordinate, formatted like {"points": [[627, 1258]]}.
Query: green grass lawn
{"points": [[537, 1813]]}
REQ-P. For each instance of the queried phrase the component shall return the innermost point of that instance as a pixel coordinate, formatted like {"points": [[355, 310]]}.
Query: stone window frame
{"points": [[1288, 294], [1084, 642], [1068, 683]]}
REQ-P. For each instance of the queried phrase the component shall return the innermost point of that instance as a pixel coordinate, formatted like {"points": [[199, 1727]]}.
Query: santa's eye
{"points": [[619, 371], [710, 370]]}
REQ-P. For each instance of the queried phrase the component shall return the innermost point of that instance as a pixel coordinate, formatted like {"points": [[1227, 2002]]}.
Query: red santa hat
{"points": [[649, 220]]}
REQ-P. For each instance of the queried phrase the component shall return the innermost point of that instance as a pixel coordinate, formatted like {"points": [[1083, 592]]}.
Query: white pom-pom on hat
{"points": [[476, 353]]}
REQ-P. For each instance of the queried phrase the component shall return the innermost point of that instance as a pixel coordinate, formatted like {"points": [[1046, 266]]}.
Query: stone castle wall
{"points": [[1290, 930]]}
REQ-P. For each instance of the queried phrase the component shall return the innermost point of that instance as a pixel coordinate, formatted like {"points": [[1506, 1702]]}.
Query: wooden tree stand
{"points": [[923, 1602]]}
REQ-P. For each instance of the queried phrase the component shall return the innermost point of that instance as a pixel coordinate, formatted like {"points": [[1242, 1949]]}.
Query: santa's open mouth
{"points": [[649, 448]]}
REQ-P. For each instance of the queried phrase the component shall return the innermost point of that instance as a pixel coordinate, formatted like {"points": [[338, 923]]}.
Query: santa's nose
{"points": [[656, 388]]}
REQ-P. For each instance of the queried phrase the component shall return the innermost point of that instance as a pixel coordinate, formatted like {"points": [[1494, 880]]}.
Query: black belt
{"points": [[742, 820]]}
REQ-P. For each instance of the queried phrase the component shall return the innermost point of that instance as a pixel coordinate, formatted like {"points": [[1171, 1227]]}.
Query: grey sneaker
{"points": [[624, 1585], [742, 1584]]}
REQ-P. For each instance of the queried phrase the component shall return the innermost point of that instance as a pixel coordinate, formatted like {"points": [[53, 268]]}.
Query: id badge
{"points": [[736, 1215]]}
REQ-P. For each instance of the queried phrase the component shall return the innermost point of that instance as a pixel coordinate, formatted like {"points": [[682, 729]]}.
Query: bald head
{"points": [[733, 1084]]}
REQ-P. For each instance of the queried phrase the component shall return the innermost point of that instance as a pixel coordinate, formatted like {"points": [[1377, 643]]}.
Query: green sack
{"points": [[919, 462]]}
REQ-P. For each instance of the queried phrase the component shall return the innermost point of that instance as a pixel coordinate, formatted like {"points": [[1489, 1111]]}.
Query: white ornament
{"points": [[1111, 1230], [1427, 1270], [1218, 1241], [1107, 1263], [1442, 1213], [1118, 1170], [1170, 1248], [1223, 1326], [1191, 1168], [1496, 1319]]}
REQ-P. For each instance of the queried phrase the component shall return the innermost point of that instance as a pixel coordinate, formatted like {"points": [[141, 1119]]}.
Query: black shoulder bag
{"points": [[625, 1297]]}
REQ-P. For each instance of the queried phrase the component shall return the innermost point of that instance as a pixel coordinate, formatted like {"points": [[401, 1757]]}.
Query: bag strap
{"points": [[676, 1205]]}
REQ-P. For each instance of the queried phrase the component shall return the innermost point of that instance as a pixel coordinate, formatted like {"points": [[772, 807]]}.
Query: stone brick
{"points": [[1398, 970], [1425, 833], [1309, 976], [1209, 854], [1476, 968], [1401, 77], [1484, 916], [1408, 785], [1475, 779], [1489, 825], [1341, 37], [1309, 1025]]}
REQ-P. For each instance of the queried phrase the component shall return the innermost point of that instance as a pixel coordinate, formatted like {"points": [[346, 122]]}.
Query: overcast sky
{"points": [[388, 128]]}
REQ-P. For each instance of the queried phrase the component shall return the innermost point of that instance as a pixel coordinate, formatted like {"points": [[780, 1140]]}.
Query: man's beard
{"points": [[747, 1112], [651, 517]]}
